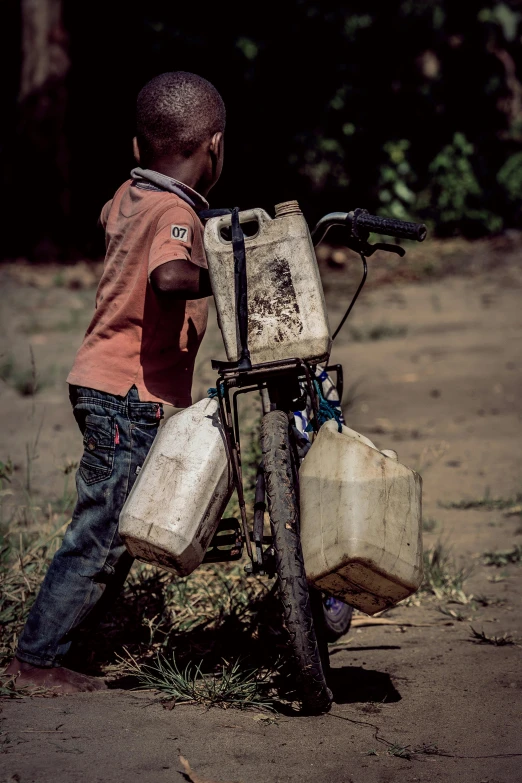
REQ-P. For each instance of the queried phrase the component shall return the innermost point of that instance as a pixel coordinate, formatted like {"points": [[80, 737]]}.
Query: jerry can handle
{"points": [[215, 226]]}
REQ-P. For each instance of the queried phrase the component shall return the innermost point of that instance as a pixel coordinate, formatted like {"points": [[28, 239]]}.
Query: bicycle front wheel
{"points": [[281, 477]]}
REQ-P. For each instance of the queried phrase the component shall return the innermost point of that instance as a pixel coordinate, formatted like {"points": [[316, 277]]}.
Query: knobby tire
{"points": [[298, 605]]}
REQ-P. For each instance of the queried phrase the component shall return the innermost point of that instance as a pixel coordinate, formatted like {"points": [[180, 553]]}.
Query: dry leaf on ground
{"points": [[361, 622], [193, 776]]}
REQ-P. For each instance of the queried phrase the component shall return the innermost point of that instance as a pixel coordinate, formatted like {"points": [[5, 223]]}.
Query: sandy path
{"points": [[446, 395]]}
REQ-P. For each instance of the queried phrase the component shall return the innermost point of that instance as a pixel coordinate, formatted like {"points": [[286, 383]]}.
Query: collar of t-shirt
{"points": [[147, 179]]}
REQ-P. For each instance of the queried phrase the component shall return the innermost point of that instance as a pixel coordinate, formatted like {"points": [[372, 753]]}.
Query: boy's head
{"points": [[179, 126]]}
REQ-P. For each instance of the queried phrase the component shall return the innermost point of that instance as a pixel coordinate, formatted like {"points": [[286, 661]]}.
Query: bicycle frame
{"points": [[282, 379]]}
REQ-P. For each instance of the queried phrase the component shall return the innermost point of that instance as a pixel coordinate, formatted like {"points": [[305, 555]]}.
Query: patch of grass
{"points": [[442, 578], [486, 503], [429, 524], [481, 637], [6, 471], [231, 686], [8, 690], [24, 559], [400, 751], [213, 612], [209, 596], [498, 578], [377, 332], [503, 557], [26, 380], [455, 614], [483, 600]]}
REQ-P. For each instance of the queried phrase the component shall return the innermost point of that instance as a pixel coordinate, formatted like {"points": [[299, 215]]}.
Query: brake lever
{"points": [[370, 249], [362, 246]]}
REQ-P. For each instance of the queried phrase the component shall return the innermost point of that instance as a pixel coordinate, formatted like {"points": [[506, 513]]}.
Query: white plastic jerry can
{"points": [[174, 508], [286, 310], [360, 521]]}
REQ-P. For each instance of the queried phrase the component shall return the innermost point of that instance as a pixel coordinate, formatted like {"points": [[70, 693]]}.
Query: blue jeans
{"points": [[92, 563]]}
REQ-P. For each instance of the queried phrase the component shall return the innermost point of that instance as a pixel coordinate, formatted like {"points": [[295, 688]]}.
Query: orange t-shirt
{"points": [[135, 337]]}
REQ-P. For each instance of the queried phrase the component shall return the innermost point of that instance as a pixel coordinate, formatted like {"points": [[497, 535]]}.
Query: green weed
{"points": [[455, 614], [6, 471], [429, 524], [486, 503], [26, 380], [441, 577], [400, 751], [231, 686], [483, 600], [24, 559], [503, 558], [480, 637]]}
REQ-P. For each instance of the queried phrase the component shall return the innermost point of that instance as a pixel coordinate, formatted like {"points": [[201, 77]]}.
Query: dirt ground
{"points": [[421, 700]]}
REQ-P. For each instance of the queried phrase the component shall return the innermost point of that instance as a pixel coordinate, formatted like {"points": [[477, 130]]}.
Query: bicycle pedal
{"points": [[227, 543]]}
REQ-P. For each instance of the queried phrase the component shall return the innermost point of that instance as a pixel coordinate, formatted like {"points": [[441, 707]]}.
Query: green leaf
{"points": [[248, 47]]}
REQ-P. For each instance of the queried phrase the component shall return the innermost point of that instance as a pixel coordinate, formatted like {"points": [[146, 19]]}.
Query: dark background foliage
{"points": [[412, 109]]}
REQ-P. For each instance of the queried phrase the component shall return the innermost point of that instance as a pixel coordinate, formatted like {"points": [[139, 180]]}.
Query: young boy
{"points": [[137, 355]]}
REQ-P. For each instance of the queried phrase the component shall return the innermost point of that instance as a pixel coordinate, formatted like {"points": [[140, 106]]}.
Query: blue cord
{"points": [[326, 411], [213, 392]]}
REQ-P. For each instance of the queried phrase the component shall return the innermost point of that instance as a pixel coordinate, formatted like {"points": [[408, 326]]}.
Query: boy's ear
{"points": [[136, 149], [216, 144]]}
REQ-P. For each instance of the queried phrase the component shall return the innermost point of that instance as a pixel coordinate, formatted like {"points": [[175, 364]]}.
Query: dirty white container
{"points": [[360, 521], [181, 491], [286, 310]]}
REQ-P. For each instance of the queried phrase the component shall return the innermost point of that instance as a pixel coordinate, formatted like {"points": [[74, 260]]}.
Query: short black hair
{"points": [[176, 113]]}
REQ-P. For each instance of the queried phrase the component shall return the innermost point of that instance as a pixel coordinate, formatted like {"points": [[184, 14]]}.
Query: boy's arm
{"points": [[181, 279], [174, 268]]}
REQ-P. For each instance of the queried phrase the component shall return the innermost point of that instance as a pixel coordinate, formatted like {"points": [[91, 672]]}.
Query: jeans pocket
{"points": [[98, 448], [142, 436]]}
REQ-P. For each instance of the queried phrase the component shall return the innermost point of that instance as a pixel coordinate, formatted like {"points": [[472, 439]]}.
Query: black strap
{"points": [[206, 214], [240, 278]]}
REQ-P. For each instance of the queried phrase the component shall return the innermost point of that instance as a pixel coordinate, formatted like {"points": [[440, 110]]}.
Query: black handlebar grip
{"points": [[391, 227]]}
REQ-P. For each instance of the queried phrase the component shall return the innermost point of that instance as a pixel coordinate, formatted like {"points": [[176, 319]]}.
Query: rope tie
{"points": [[213, 391], [326, 410]]}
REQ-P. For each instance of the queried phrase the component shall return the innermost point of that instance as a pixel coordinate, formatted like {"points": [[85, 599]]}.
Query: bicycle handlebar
{"points": [[359, 220]]}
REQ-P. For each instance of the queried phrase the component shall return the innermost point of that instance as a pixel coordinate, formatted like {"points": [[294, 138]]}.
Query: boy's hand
{"points": [[181, 279]]}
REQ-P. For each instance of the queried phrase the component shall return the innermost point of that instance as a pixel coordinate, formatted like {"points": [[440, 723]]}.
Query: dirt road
{"points": [[421, 700]]}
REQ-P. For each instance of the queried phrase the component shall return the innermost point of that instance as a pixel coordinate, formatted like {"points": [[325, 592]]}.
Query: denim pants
{"points": [[92, 563]]}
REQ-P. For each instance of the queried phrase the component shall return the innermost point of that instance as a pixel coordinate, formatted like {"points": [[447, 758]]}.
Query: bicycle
{"points": [[288, 386]]}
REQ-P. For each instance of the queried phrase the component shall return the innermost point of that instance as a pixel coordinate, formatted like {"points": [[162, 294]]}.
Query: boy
{"points": [[137, 355]]}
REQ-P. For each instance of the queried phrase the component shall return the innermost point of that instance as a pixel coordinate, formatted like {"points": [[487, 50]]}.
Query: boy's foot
{"points": [[59, 678]]}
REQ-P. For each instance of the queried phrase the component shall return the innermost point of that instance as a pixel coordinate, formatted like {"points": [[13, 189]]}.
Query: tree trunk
{"points": [[42, 160]]}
